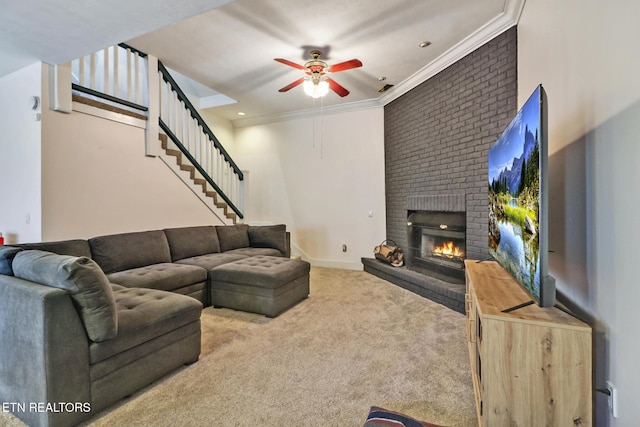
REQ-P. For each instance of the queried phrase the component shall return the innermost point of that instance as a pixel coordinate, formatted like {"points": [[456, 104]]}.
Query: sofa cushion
{"points": [[145, 314], [124, 251], [269, 236], [7, 253], [84, 280], [211, 261], [163, 276], [233, 236], [188, 242], [75, 247]]}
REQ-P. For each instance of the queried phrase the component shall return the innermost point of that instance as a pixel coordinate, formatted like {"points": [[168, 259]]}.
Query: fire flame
{"points": [[448, 249]]}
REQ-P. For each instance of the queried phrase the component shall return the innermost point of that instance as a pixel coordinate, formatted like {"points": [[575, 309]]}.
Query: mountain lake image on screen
{"points": [[517, 181]]}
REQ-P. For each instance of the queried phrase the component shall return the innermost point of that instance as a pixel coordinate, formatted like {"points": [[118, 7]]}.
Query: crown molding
{"points": [[508, 18], [501, 23]]}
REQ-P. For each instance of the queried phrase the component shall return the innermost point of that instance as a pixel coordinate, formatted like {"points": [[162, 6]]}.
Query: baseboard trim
{"points": [[342, 265], [326, 263]]}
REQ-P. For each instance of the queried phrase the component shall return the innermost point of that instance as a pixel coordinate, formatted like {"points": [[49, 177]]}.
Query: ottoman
{"points": [[260, 284]]}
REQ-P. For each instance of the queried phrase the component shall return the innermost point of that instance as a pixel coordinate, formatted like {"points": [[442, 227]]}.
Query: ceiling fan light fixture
{"points": [[317, 83], [315, 88]]}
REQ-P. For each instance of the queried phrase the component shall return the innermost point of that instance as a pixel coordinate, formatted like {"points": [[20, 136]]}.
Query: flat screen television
{"points": [[518, 194]]}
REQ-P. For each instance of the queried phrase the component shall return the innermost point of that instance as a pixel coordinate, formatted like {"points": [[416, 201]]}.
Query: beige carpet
{"points": [[357, 341]]}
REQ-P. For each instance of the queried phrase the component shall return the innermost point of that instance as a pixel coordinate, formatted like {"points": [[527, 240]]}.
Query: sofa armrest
{"points": [[44, 351]]}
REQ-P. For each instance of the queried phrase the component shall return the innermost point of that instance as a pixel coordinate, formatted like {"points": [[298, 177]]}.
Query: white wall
{"points": [[20, 204], [222, 129], [96, 180], [320, 176], [585, 55]]}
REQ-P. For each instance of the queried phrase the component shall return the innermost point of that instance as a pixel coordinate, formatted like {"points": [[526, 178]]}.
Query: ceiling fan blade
{"points": [[289, 63], [337, 88], [292, 85], [347, 65]]}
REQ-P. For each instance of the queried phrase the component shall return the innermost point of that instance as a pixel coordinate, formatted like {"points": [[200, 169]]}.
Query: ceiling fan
{"points": [[317, 83]]}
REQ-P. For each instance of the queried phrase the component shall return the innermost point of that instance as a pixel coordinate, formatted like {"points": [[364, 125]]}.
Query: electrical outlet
{"points": [[613, 399]]}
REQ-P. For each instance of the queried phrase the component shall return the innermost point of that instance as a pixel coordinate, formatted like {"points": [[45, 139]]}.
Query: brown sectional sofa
{"points": [[88, 322]]}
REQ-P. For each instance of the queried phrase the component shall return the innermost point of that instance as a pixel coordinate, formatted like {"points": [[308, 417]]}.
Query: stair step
{"points": [[174, 153], [164, 140]]}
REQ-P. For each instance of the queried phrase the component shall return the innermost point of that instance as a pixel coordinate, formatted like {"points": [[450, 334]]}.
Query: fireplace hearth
{"points": [[437, 244], [434, 249]]}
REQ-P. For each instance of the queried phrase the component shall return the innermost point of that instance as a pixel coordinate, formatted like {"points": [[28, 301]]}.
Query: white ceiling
{"points": [[229, 45], [57, 31]]}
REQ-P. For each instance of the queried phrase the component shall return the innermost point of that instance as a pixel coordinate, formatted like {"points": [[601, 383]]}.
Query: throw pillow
{"points": [[379, 417], [233, 236], [269, 236], [84, 280], [7, 253]]}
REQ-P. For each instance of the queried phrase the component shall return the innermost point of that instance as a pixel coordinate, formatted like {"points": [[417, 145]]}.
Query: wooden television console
{"points": [[530, 366]]}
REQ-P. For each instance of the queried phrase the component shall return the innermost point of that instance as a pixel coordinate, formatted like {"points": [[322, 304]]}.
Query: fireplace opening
{"points": [[437, 244]]}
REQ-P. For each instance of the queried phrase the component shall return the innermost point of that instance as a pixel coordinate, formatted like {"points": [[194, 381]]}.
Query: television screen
{"points": [[517, 200]]}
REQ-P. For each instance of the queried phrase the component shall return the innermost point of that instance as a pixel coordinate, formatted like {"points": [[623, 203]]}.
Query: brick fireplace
{"points": [[436, 140]]}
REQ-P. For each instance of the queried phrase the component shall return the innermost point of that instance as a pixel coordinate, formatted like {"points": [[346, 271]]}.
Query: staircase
{"points": [[197, 180], [128, 81]]}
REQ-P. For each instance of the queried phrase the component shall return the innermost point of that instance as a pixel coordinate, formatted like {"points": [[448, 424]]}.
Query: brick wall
{"points": [[437, 136]]}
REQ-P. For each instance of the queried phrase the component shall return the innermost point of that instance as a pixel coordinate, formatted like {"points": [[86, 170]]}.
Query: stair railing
{"points": [[188, 131], [116, 74], [119, 73]]}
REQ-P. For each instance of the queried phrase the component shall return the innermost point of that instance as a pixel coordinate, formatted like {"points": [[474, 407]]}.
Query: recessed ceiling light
{"points": [[425, 44], [241, 113], [382, 78]]}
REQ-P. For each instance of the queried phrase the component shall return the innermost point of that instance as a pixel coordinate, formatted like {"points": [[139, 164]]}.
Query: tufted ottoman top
{"points": [[261, 271]]}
